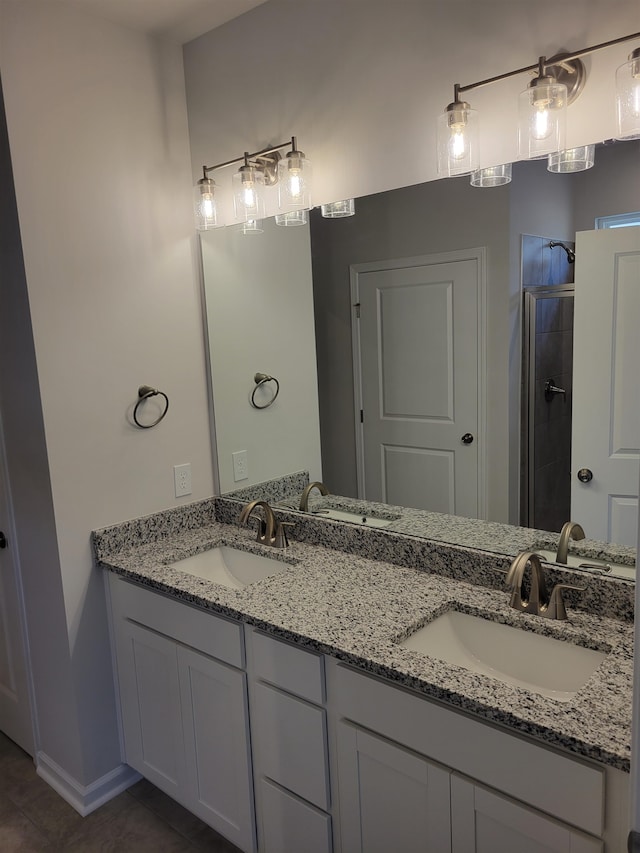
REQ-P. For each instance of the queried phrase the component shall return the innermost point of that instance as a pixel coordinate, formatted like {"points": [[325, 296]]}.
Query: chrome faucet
{"points": [[304, 498], [570, 530], [539, 602], [270, 530]]}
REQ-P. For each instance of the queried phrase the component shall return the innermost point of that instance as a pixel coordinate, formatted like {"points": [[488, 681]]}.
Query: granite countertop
{"points": [[356, 609]]}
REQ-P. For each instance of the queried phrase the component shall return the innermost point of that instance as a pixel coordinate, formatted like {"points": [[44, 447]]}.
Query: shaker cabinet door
{"points": [[216, 738], [151, 708], [486, 822], [390, 798]]}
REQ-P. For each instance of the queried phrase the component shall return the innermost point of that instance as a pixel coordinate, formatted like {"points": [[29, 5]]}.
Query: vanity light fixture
{"points": [[492, 176], [338, 209], [257, 173], [572, 159], [542, 110], [292, 218], [628, 97]]}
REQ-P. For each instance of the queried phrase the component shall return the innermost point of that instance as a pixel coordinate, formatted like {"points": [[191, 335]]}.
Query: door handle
{"points": [[467, 438], [585, 475], [3, 540]]}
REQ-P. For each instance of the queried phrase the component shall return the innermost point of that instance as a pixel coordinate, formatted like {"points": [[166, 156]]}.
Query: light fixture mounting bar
{"points": [[545, 63], [263, 153]]}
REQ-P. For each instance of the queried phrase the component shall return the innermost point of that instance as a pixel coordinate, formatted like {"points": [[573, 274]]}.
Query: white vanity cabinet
{"points": [[416, 776], [183, 697], [290, 746]]}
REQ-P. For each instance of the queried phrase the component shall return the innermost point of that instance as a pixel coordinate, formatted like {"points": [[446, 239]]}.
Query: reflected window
{"points": [[620, 220]]}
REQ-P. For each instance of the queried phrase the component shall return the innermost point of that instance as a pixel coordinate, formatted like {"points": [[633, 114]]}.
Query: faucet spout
{"points": [[570, 530], [266, 529], [304, 498], [537, 598]]}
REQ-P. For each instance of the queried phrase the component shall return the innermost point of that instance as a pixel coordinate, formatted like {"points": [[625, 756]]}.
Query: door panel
{"points": [[605, 383], [419, 368]]}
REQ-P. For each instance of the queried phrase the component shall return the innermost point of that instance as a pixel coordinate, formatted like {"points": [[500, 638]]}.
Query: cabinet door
{"points": [[390, 798], [151, 708], [485, 822], [216, 736], [290, 825]]}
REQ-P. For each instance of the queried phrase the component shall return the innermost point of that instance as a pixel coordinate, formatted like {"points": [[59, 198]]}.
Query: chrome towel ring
{"points": [[144, 392], [260, 379]]}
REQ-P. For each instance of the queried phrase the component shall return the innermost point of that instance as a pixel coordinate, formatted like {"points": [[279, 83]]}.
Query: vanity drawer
{"points": [[290, 825], [289, 667], [214, 635], [291, 741]]}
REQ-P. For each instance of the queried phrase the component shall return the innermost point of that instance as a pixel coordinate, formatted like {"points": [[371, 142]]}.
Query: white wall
{"points": [[98, 136], [259, 300]]}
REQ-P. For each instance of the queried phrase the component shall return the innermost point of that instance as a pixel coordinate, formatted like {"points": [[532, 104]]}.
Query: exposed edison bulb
{"points": [[294, 180], [542, 118], [248, 193], [205, 208], [541, 127], [295, 184], [457, 143], [458, 152]]}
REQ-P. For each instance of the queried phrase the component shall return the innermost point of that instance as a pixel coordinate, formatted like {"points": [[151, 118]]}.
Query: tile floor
{"points": [[34, 819]]}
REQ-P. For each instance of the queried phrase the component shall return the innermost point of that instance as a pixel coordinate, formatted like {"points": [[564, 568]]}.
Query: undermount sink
{"points": [[541, 664], [353, 517], [594, 565], [231, 567]]}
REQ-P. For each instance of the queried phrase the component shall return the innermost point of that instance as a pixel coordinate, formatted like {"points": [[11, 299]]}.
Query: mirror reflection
{"points": [[408, 376]]}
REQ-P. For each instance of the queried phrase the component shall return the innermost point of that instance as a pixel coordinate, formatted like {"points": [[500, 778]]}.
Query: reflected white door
{"points": [[606, 390], [15, 705], [418, 356]]}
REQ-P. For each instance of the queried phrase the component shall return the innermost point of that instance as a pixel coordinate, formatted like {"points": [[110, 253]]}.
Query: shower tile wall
{"points": [[550, 436], [552, 418]]}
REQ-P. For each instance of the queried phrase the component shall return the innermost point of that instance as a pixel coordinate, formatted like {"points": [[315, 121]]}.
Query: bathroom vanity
{"points": [[290, 715]]}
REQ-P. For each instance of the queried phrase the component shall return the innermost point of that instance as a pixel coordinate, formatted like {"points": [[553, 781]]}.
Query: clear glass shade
{"points": [[628, 98], [252, 226], [248, 194], [204, 204], [572, 159], [492, 176], [339, 209], [458, 148], [542, 119], [292, 218], [294, 182]]}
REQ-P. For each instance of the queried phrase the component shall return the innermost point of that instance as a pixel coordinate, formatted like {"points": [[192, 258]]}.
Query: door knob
{"points": [[585, 475], [467, 438], [3, 540]]}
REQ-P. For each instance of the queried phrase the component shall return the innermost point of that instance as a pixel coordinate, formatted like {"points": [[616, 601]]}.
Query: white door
{"points": [[606, 390], [418, 364], [485, 822], [15, 704]]}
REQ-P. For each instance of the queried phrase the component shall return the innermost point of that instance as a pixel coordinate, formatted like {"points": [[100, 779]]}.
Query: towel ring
{"points": [[144, 392], [261, 379]]}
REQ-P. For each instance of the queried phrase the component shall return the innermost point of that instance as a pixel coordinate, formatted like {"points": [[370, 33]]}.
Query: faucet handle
{"points": [[280, 538], [556, 608]]}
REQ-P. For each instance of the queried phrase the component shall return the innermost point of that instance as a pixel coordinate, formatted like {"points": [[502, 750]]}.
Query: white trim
{"points": [[85, 798], [479, 255]]}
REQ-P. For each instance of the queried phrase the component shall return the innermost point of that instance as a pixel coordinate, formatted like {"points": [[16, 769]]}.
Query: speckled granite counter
{"points": [[356, 609]]}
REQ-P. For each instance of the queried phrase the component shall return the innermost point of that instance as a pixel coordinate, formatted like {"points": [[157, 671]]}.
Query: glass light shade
{"points": [[572, 159], [294, 182], [248, 193], [492, 176], [458, 147], [628, 97], [338, 209], [542, 119], [292, 218], [204, 203], [252, 226]]}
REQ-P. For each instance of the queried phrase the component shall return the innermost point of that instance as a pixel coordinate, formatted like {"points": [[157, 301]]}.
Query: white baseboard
{"points": [[85, 798]]}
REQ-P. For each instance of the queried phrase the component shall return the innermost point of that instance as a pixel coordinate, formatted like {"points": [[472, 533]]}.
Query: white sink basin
{"points": [[230, 567], [541, 664], [353, 517], [615, 570]]}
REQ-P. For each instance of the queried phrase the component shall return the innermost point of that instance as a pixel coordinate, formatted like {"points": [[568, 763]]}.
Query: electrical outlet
{"points": [[182, 479], [240, 466]]}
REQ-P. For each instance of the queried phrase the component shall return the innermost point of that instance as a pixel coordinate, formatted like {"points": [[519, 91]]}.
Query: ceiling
{"points": [[178, 20]]}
